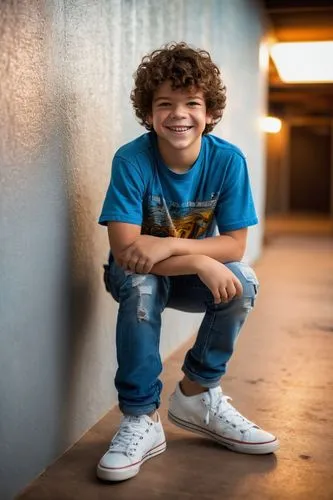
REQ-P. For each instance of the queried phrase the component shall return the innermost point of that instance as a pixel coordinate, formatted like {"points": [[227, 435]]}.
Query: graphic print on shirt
{"points": [[186, 220]]}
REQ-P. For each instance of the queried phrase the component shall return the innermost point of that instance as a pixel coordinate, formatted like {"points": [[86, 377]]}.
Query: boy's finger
{"points": [[217, 296], [239, 288], [232, 291], [224, 294]]}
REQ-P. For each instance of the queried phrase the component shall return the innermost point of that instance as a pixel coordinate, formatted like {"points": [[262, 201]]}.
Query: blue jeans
{"points": [[142, 299]]}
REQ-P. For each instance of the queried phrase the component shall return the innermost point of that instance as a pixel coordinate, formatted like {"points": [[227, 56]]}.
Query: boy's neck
{"points": [[179, 160]]}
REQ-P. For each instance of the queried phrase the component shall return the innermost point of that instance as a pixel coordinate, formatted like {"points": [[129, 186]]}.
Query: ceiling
{"points": [[300, 21]]}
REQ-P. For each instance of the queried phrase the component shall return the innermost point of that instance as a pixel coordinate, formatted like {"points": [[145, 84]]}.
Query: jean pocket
{"points": [[106, 277], [113, 277]]}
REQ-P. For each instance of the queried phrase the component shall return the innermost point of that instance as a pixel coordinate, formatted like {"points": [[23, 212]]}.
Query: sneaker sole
{"points": [[123, 473], [253, 449]]}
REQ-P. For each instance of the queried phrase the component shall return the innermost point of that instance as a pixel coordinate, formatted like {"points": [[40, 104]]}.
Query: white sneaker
{"points": [[209, 413], [137, 440]]}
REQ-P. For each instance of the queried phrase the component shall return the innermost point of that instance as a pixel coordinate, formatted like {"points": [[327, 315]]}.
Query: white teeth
{"points": [[179, 129]]}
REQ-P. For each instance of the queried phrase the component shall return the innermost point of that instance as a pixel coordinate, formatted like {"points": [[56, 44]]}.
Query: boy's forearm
{"points": [[223, 248], [179, 265]]}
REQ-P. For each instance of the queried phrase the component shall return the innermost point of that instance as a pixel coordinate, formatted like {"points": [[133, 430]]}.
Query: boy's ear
{"points": [[209, 119], [149, 119]]}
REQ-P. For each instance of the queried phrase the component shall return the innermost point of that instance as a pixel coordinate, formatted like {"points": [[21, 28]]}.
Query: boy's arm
{"points": [[223, 284], [141, 252], [227, 247], [121, 236]]}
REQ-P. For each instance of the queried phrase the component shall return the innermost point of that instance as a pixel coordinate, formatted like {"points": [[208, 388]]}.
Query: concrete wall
{"points": [[65, 78]]}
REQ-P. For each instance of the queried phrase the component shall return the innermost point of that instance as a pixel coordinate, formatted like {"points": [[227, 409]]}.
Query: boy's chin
{"points": [[180, 140], [179, 145]]}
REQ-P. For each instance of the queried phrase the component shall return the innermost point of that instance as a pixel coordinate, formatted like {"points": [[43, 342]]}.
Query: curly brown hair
{"points": [[185, 68]]}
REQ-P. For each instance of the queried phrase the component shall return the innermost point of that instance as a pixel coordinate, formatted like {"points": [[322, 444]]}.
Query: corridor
{"points": [[281, 377]]}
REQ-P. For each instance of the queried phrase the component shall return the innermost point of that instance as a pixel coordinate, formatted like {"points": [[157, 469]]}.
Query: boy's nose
{"points": [[178, 112]]}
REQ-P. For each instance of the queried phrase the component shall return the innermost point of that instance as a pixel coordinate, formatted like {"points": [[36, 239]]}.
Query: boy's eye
{"points": [[163, 104], [194, 103]]}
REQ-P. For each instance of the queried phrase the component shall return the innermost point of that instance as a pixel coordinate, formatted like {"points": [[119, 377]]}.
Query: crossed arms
{"points": [[177, 256]]}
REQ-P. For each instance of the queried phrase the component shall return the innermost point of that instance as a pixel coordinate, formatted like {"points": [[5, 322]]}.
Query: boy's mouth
{"points": [[179, 129]]}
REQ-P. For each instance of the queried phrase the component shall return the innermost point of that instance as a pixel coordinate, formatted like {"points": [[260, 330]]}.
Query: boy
{"points": [[170, 189]]}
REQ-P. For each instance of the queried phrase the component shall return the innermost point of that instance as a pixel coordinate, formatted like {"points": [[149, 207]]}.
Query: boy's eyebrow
{"points": [[169, 98], [161, 98]]}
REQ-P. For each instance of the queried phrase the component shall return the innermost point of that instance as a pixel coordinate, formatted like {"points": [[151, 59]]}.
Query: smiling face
{"points": [[179, 118]]}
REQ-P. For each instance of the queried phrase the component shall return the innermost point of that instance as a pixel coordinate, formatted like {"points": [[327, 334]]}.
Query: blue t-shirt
{"points": [[214, 192]]}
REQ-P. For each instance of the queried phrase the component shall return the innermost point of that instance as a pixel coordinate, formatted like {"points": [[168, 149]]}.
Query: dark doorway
{"points": [[310, 168]]}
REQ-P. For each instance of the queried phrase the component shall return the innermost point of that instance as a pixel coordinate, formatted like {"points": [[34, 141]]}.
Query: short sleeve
{"points": [[124, 198], [235, 207]]}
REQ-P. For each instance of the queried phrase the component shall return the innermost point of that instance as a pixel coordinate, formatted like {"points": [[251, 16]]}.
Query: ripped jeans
{"points": [[142, 299]]}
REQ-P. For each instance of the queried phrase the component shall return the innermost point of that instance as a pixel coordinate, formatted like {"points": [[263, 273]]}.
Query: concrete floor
{"points": [[281, 377]]}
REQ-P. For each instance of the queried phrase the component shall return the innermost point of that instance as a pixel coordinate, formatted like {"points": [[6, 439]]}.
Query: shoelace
{"points": [[218, 403], [127, 438]]}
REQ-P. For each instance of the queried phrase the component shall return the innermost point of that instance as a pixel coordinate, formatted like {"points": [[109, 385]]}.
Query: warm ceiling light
{"points": [[304, 62], [270, 124]]}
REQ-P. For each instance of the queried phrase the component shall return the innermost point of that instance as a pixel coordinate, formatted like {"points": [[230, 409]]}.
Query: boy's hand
{"points": [[223, 284], [146, 251]]}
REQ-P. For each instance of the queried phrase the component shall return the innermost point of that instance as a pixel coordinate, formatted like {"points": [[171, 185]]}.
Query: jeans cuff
{"points": [[194, 377], [137, 411]]}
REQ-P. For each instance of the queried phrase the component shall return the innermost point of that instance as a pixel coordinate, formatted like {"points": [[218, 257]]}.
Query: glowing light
{"points": [[304, 62], [270, 124], [263, 56]]}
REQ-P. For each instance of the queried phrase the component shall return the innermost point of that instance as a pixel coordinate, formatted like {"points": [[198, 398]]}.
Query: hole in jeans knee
{"points": [[145, 293], [145, 286], [248, 303]]}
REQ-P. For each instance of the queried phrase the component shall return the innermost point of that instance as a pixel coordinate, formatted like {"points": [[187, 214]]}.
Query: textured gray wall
{"points": [[65, 78]]}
